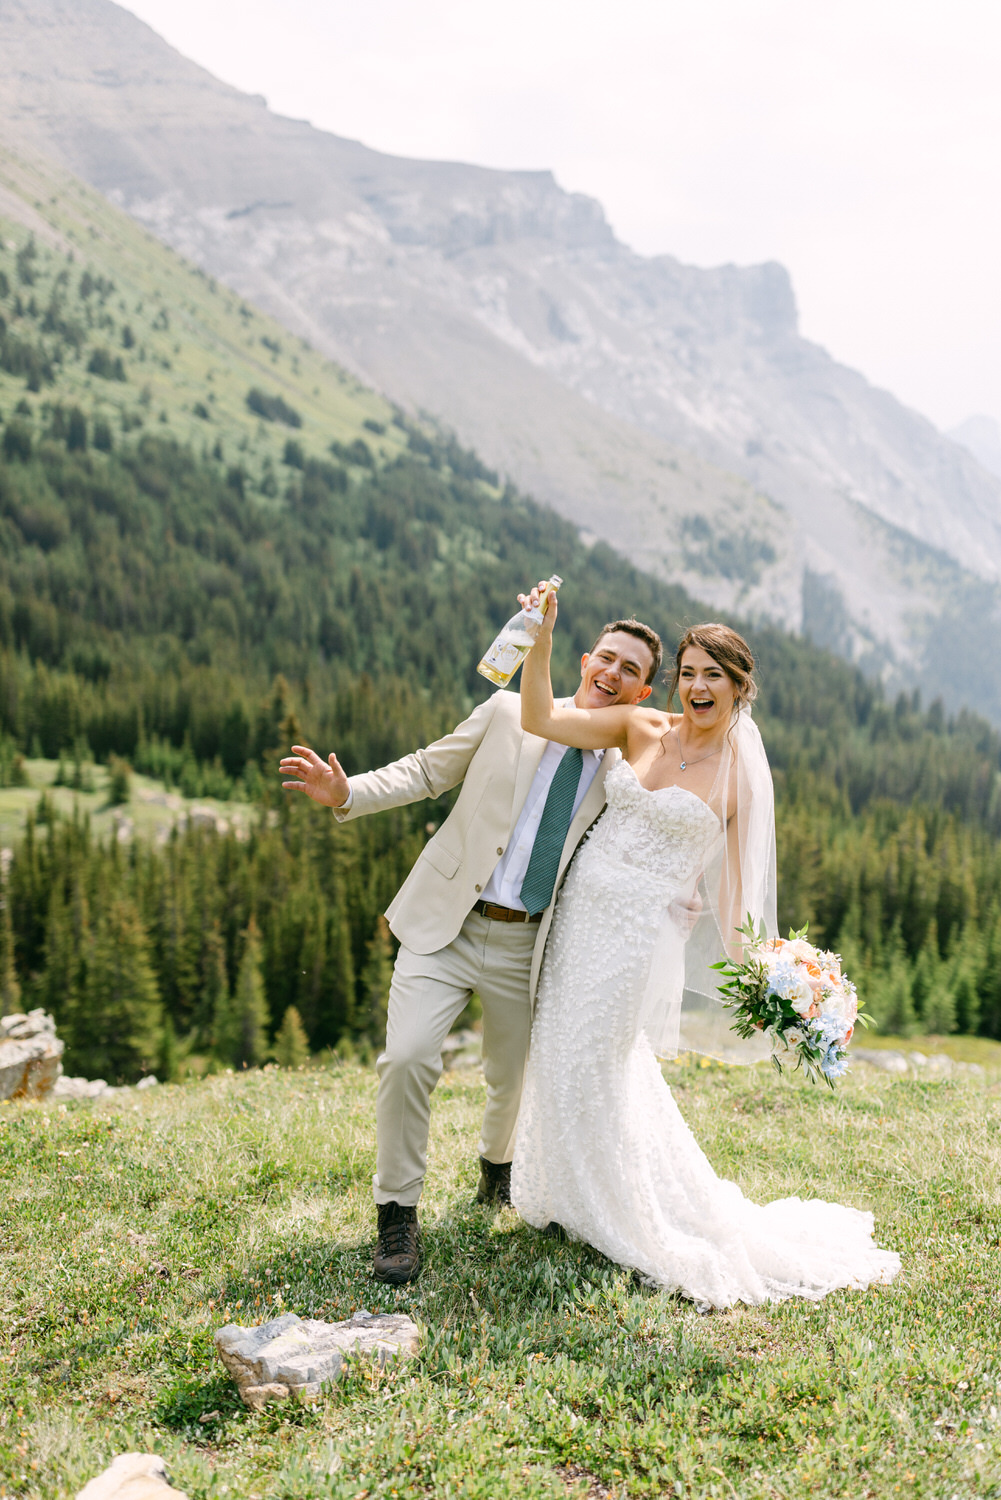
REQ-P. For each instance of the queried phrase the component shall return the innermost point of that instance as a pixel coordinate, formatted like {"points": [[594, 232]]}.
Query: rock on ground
{"points": [[30, 1054], [132, 1476], [292, 1356], [462, 1049], [94, 1088], [914, 1064]]}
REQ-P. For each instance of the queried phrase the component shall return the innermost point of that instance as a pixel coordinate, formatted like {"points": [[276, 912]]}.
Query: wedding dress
{"points": [[602, 1148]]}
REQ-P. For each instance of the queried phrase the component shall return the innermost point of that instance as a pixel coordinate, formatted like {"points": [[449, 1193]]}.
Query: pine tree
{"points": [[10, 990], [890, 990], [213, 1019], [168, 1065], [928, 980], [291, 1047], [250, 1007], [339, 997], [67, 944], [989, 983], [963, 980], [376, 975], [122, 1029]]}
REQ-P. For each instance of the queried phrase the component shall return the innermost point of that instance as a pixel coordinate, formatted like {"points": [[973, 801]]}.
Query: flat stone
{"points": [[30, 1055], [296, 1357], [887, 1062], [462, 1049], [81, 1088], [132, 1476]]}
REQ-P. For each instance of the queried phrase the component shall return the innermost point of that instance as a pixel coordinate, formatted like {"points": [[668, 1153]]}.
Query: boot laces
{"points": [[393, 1236]]}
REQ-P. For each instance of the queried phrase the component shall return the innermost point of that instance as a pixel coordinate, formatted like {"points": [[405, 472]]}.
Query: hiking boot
{"points": [[398, 1247], [495, 1183]]}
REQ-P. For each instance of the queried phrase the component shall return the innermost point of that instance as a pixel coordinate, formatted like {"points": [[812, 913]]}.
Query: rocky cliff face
{"points": [[673, 411]]}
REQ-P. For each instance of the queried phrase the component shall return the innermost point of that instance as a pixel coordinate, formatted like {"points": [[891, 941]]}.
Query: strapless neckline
{"points": [[674, 787]]}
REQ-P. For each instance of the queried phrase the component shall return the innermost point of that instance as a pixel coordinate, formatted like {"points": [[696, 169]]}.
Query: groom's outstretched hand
{"points": [[323, 780]]}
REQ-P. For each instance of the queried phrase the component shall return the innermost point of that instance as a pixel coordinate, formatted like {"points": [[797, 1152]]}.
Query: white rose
{"points": [[801, 997]]}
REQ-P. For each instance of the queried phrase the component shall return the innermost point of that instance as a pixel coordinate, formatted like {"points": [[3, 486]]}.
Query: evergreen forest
{"points": [[189, 609]]}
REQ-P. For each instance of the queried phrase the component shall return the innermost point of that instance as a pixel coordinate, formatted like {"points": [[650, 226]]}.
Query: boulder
{"points": [[132, 1476], [30, 1054], [81, 1088], [96, 1088], [462, 1049], [295, 1357], [915, 1064], [887, 1062]]}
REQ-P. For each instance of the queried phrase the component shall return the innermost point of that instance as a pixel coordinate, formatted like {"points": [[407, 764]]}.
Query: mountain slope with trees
{"points": [[191, 614], [673, 410]]}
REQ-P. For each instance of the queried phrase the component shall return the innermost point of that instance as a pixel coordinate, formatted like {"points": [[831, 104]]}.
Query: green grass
{"points": [[132, 1229], [196, 346], [151, 811]]}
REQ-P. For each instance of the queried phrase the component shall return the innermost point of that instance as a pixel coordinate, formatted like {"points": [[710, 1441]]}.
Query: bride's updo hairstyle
{"points": [[728, 650]]}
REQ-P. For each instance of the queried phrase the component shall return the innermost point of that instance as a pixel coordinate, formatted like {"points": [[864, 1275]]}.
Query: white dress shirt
{"points": [[504, 885]]}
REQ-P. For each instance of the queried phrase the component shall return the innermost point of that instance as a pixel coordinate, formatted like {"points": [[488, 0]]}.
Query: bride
{"points": [[602, 1150]]}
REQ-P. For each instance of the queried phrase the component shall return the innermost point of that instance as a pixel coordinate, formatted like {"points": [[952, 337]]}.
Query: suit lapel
{"points": [[529, 756]]}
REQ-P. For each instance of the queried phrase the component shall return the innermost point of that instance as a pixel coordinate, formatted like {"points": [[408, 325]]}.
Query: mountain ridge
{"points": [[674, 412]]}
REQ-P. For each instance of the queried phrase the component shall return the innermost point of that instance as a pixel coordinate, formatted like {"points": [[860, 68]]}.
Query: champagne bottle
{"points": [[517, 638]]}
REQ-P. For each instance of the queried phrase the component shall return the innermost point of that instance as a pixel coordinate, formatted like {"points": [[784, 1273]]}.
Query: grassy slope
{"points": [[133, 1229], [151, 810], [211, 351]]}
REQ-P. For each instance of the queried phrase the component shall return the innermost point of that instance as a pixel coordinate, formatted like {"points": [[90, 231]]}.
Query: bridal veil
{"points": [[682, 1007]]}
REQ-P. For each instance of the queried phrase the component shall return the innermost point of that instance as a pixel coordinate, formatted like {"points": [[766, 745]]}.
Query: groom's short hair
{"points": [[643, 633]]}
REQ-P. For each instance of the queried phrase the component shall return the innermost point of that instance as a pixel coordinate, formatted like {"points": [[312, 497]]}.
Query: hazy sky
{"points": [[859, 142]]}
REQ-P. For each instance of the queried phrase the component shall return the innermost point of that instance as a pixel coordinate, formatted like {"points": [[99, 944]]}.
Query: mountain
{"points": [[100, 315], [189, 582], [982, 436], [675, 412]]}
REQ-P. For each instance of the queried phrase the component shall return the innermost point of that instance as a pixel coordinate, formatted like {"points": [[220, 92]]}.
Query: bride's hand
{"points": [[532, 601], [686, 914]]}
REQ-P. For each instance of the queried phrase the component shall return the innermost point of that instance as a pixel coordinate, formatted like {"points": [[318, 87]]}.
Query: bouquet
{"points": [[797, 995]]}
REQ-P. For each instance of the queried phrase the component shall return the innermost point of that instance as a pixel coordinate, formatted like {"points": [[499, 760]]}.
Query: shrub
{"points": [[291, 1048], [272, 408], [76, 430], [107, 365], [17, 441], [119, 781], [358, 453]]}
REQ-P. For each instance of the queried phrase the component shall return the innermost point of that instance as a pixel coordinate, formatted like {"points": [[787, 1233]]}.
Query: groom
{"points": [[474, 912]]}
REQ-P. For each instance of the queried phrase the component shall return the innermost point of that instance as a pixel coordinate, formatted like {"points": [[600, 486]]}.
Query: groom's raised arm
{"points": [[588, 729], [424, 773]]}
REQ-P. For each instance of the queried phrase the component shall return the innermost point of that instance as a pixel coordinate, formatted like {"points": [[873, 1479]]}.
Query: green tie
{"points": [[540, 877]]}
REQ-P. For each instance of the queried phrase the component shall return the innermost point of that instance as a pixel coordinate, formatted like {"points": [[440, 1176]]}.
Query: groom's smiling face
{"points": [[616, 671]]}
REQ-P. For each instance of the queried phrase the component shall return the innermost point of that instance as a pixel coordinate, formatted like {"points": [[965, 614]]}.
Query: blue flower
{"points": [[785, 980]]}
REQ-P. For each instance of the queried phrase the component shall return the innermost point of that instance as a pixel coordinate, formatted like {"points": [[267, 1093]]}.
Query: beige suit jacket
{"points": [[495, 760]]}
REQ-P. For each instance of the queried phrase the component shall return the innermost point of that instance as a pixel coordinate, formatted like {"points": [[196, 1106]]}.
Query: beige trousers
{"points": [[428, 994]]}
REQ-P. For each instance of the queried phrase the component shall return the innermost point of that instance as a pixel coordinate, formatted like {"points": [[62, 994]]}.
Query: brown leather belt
{"points": [[504, 913]]}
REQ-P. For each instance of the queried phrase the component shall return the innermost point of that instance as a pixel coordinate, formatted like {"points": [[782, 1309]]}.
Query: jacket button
{"points": [[500, 851], [477, 889]]}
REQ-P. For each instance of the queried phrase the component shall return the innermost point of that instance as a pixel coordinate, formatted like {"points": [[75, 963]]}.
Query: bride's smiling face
{"points": [[707, 693]]}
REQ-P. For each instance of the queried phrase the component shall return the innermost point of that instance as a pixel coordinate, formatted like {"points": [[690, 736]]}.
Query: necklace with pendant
{"points": [[681, 754]]}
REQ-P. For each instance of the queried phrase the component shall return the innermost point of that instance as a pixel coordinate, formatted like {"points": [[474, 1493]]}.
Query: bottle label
{"points": [[504, 658]]}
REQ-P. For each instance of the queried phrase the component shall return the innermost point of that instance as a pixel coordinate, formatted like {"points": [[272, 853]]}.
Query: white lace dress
{"points": [[602, 1148]]}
